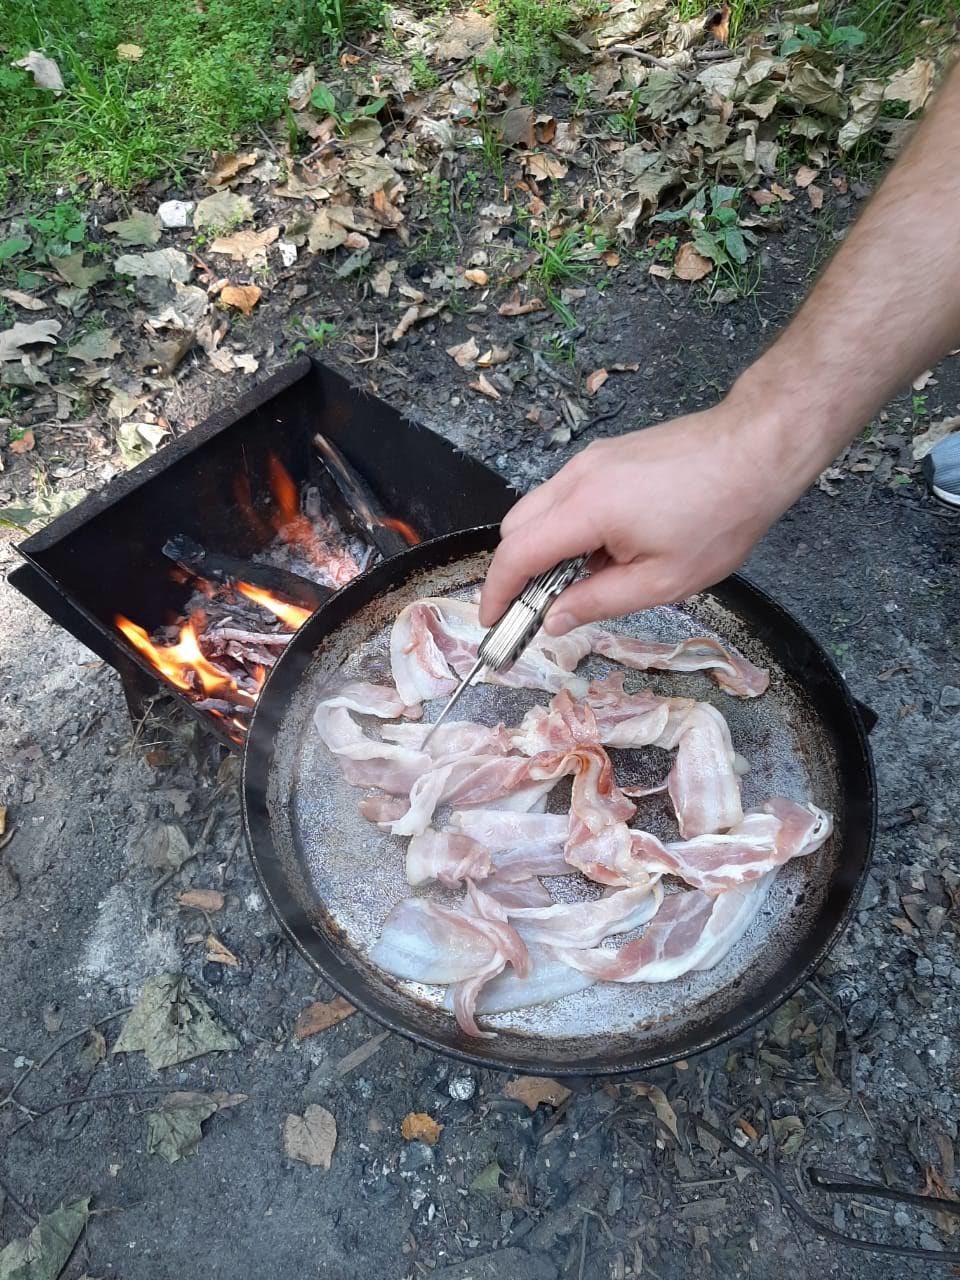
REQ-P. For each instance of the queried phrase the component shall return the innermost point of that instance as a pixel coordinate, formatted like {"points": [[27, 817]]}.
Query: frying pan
{"points": [[331, 878]]}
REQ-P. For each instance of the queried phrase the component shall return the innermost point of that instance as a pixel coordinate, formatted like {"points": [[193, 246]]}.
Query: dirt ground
{"points": [[590, 1189]]}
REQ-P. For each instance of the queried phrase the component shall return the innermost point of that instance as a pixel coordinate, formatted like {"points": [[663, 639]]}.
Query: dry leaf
{"points": [[246, 246], [658, 1099], [323, 233], [140, 228], [495, 355], [25, 300], [923, 443], [532, 1090], [763, 198], [718, 24], [594, 381], [465, 353], [204, 899], [514, 306], [45, 71], [419, 1127], [815, 196], [476, 276], [541, 165], [228, 166], [242, 296], [922, 379], [25, 444], [516, 127], [3, 819], [384, 210], [782, 193], [217, 953], [612, 259], [620, 367], [222, 209], [12, 340], [129, 52], [747, 1129], [485, 387], [311, 1138], [912, 86], [689, 264], [320, 1015], [381, 281], [804, 176], [420, 311], [660, 270]]}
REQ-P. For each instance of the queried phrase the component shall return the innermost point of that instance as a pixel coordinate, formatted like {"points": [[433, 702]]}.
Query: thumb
{"points": [[614, 591]]}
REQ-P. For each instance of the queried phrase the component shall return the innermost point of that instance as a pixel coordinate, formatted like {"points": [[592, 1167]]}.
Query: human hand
{"points": [[667, 511]]}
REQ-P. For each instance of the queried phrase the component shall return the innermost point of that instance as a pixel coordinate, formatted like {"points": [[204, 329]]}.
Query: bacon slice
{"points": [[703, 783], [365, 762], [691, 931], [516, 894], [447, 857], [482, 780], [424, 942], [548, 979], [585, 924], [434, 642], [501, 829], [453, 738], [373, 700], [731, 670]]}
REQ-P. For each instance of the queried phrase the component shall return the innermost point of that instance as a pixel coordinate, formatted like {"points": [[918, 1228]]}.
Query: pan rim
{"points": [[257, 758]]}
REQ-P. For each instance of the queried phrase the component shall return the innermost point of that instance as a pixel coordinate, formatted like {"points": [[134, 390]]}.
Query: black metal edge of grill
{"points": [[800, 653]]}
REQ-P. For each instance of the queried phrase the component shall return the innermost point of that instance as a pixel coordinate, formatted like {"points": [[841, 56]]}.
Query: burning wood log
{"points": [[230, 571], [388, 535]]}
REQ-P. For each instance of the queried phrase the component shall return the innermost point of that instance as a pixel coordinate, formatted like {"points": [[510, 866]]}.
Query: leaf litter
{"points": [[311, 1138], [170, 1023], [45, 1252]]}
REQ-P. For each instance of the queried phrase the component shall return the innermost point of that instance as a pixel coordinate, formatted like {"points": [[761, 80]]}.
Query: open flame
{"points": [[184, 664], [291, 615]]}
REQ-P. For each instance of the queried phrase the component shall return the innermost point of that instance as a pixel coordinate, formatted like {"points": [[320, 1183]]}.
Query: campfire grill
{"points": [[213, 485]]}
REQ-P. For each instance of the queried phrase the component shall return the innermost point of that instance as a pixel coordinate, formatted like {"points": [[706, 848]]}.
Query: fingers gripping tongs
{"points": [[507, 639]]}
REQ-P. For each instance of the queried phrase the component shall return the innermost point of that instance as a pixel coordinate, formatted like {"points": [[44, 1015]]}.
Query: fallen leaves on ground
{"points": [[487, 1181], [163, 264], [532, 1090], [96, 344], [203, 899], [516, 305], [140, 228], [25, 443], [129, 52], [43, 507], [413, 315], [174, 1131], [464, 353], [44, 1253], [163, 847], [170, 1023], [924, 442], [689, 264], [594, 381], [242, 296], [913, 85], [219, 953], [788, 1133], [246, 246], [25, 300], [45, 72], [311, 1138], [658, 1100], [140, 440], [227, 166], [804, 176], [485, 387], [71, 268], [417, 1126], [321, 1015], [18, 336], [93, 1050], [221, 210]]}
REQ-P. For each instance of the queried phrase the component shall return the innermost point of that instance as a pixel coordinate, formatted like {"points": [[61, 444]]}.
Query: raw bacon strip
{"points": [[500, 829], [515, 894], [638, 719], [549, 979], [729, 669], [367, 763], [586, 924], [482, 780], [703, 783], [434, 642], [516, 865], [691, 931], [424, 942], [456, 738], [511, 949], [373, 700], [447, 857]]}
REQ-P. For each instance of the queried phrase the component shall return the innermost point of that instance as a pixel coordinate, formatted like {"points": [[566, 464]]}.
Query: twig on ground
{"points": [[269, 141], [851, 1042], [38, 1066]]}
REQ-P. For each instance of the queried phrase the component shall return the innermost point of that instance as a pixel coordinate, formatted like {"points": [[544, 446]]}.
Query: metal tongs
{"points": [[507, 639]]}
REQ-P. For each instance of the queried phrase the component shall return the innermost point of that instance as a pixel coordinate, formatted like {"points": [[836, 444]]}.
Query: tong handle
{"points": [[507, 639]]}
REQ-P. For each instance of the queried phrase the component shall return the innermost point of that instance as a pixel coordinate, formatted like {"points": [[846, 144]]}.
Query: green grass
{"points": [[208, 74], [527, 53]]}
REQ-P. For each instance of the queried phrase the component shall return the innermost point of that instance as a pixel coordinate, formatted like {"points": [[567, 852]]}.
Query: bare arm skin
{"points": [[678, 506]]}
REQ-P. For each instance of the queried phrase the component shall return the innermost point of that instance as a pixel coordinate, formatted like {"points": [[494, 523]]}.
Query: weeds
{"points": [[345, 107], [625, 122], [527, 54]]}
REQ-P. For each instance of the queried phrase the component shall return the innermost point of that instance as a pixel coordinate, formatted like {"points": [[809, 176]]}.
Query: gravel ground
{"points": [[592, 1187]]}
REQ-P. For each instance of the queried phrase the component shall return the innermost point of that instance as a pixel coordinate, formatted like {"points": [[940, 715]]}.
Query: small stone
{"points": [[928, 1241], [955, 976], [950, 696], [912, 1067], [901, 1218], [942, 969], [923, 967], [462, 1088], [417, 1155], [175, 213], [860, 1015], [288, 252]]}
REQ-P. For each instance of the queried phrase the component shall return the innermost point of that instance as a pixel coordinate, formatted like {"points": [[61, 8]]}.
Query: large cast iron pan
{"points": [[331, 878]]}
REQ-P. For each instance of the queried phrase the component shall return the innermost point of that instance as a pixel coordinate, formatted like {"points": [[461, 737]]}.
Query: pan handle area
{"points": [[868, 717]]}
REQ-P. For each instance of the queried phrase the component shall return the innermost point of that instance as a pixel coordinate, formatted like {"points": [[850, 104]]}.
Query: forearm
{"points": [[886, 307]]}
